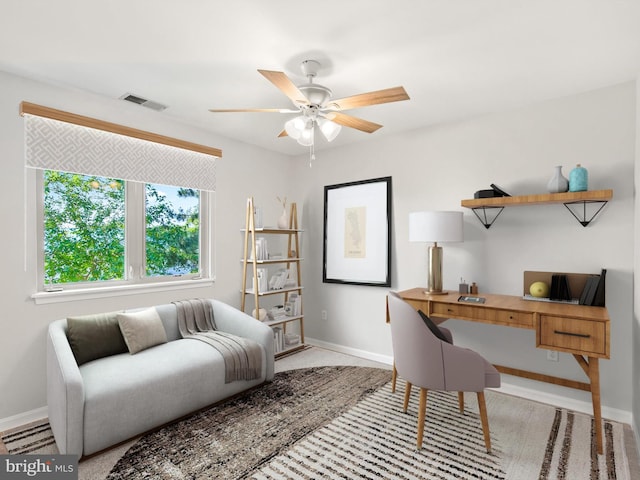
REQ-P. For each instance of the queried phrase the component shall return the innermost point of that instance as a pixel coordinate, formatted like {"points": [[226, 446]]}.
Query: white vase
{"points": [[283, 221], [558, 182]]}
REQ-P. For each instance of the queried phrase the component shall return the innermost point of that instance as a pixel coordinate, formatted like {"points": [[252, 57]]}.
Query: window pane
{"points": [[172, 231], [84, 228]]}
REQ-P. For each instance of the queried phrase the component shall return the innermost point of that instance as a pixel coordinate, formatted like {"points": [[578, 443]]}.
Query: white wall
{"points": [[435, 168], [243, 171]]}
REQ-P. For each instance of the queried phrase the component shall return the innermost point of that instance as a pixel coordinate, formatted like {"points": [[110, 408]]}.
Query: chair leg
{"points": [[485, 421], [422, 411], [394, 377], [461, 401], [407, 394]]}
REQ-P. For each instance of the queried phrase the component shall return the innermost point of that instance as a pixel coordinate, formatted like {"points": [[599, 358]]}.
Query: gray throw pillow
{"points": [[95, 336], [142, 330], [433, 327]]}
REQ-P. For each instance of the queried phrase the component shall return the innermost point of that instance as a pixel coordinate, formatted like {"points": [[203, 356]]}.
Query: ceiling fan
{"points": [[315, 107]]}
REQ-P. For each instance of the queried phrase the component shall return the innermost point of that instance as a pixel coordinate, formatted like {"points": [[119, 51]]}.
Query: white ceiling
{"points": [[455, 58]]}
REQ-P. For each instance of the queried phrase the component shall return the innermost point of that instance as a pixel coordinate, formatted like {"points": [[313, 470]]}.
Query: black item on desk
{"points": [[559, 288], [598, 299], [594, 290], [589, 290]]}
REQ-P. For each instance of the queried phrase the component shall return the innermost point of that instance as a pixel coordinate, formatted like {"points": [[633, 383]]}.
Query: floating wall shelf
{"points": [[488, 209]]}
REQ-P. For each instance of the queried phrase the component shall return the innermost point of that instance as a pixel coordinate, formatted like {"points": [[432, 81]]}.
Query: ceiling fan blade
{"points": [[285, 85], [271, 110], [283, 133], [387, 95], [353, 122]]}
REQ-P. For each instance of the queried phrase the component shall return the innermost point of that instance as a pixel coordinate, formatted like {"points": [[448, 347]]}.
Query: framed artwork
{"points": [[357, 233]]}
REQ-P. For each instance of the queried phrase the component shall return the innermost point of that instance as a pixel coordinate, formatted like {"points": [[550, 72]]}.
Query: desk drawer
{"points": [[572, 334], [451, 310], [482, 314], [514, 319]]}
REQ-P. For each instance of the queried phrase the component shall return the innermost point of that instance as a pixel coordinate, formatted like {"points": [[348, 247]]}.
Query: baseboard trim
{"points": [[23, 418], [618, 415], [374, 357]]}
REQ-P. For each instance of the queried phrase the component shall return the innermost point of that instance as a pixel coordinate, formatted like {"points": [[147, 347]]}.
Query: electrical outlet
{"points": [[552, 355], [323, 314]]}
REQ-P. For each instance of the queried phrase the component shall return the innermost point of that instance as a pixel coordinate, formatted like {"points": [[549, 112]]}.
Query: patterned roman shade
{"points": [[57, 145]]}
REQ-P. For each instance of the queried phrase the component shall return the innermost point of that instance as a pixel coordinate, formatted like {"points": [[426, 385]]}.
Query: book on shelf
{"points": [[279, 280], [261, 280], [560, 288], [278, 339], [593, 292], [599, 297], [294, 305], [277, 313], [262, 251]]}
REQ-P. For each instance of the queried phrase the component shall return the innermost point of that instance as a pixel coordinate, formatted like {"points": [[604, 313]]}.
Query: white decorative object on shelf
{"points": [[558, 182], [283, 221]]}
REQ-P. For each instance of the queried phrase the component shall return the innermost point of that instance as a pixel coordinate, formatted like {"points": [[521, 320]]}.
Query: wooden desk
{"points": [[583, 331]]}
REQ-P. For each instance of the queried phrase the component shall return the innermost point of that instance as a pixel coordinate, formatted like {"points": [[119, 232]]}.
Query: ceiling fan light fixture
{"points": [[295, 126], [329, 129], [306, 135]]}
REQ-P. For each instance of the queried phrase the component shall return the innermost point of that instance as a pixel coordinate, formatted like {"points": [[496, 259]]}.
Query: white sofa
{"points": [[108, 400]]}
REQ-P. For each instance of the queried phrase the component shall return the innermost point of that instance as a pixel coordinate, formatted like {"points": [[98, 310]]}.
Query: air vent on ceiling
{"points": [[144, 102]]}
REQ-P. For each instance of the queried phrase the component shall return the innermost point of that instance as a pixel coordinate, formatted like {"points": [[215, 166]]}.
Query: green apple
{"points": [[539, 289]]}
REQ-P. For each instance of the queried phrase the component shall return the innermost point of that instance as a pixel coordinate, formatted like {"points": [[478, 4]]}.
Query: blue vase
{"points": [[578, 179]]}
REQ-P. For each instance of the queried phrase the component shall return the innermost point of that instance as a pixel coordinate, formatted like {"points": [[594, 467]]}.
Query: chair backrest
{"points": [[417, 352]]}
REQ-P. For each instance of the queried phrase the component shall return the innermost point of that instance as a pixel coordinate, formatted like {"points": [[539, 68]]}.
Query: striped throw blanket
{"points": [[242, 356]]}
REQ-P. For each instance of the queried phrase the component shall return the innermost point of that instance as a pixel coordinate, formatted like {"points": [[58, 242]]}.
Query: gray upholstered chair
{"points": [[426, 361]]}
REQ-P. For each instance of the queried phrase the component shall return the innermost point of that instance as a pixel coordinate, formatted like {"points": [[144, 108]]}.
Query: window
{"points": [[99, 231], [172, 230], [116, 221]]}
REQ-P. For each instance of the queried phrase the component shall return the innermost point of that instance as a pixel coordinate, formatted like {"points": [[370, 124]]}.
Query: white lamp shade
{"points": [[329, 129], [306, 136], [435, 227], [295, 126]]}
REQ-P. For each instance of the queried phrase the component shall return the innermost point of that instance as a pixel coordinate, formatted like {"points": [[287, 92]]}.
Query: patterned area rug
{"points": [[344, 422]]}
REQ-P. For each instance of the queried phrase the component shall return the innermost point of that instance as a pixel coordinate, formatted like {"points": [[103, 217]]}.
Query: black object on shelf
{"points": [[559, 288], [593, 292], [493, 192], [499, 191], [486, 194]]}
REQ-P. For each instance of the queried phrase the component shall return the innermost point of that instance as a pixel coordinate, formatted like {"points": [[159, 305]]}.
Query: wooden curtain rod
{"points": [[39, 110]]}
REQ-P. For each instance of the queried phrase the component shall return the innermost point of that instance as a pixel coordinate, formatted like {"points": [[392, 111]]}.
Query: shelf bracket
{"points": [[486, 218], [581, 215]]}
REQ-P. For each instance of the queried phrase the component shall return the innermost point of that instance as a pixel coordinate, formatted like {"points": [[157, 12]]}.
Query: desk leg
{"points": [[594, 377], [591, 367]]}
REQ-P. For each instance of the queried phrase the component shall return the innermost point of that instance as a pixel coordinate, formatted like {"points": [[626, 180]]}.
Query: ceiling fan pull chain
{"points": [[312, 151]]}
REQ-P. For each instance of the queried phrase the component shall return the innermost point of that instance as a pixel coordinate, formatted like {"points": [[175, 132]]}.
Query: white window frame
{"points": [[135, 280]]}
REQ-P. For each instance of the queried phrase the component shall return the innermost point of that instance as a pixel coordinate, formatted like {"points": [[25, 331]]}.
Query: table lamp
{"points": [[435, 227]]}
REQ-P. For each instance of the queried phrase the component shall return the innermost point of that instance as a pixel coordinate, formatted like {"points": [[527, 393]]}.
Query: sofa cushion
{"points": [[142, 330], [95, 336]]}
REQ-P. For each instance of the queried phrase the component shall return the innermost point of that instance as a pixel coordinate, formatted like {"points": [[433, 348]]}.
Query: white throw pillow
{"points": [[142, 330]]}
